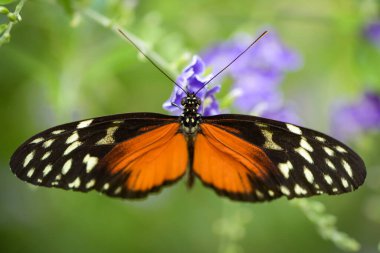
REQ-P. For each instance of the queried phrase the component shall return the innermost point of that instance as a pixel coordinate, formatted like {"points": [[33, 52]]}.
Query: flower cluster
{"points": [[257, 74], [256, 77], [192, 80], [350, 120]]}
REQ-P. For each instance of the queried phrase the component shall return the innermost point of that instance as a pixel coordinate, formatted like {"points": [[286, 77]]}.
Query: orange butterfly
{"points": [[242, 157]]}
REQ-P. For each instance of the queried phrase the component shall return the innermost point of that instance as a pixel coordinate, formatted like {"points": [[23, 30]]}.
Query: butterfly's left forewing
{"points": [[91, 154], [276, 158]]}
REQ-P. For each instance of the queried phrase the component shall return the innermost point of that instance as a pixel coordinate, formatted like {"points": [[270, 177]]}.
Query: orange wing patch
{"points": [[149, 160], [228, 163]]}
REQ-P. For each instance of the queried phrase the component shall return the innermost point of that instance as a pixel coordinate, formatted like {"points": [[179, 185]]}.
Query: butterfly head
{"points": [[190, 117], [191, 101]]}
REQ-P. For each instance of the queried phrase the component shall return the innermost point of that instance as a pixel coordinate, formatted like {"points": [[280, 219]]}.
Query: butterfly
{"points": [[242, 157]]}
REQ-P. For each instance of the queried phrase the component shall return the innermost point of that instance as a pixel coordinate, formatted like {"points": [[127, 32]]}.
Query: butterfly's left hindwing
{"points": [[70, 156], [281, 159]]}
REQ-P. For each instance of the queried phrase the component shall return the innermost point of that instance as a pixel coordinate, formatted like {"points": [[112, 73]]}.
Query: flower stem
{"points": [[325, 223], [6, 35], [108, 23]]}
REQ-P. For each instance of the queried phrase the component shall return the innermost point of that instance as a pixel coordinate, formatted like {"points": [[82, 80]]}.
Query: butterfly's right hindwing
{"points": [[69, 156]]}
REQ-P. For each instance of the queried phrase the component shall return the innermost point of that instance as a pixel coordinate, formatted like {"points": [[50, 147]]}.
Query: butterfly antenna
{"points": [[237, 57], [149, 59]]}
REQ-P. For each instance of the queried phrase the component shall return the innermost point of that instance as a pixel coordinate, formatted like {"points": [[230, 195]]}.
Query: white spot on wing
{"points": [[306, 145], [72, 138], [90, 162], [37, 140], [308, 175], [328, 151], [345, 183], [285, 190], [269, 143], [108, 139], [302, 152], [340, 149], [46, 155], [271, 193], [328, 179], [261, 124], [330, 164], [347, 167], [259, 194], [294, 129], [321, 139], [47, 169], [285, 168], [57, 131], [75, 183], [73, 146], [84, 123], [90, 183], [30, 173], [299, 190], [67, 166], [47, 143], [106, 186], [28, 158], [118, 190]]}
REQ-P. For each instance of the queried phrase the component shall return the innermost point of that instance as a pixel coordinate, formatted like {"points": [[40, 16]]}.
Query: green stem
{"points": [[5, 37], [325, 223], [108, 23]]}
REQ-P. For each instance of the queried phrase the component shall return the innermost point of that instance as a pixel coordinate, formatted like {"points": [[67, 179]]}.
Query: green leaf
{"points": [[6, 1]]}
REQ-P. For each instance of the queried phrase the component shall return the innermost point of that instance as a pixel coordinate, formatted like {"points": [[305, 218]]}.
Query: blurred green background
{"points": [[62, 65]]}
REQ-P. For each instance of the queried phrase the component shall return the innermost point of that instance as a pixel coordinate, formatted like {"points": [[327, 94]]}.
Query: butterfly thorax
{"points": [[190, 118]]}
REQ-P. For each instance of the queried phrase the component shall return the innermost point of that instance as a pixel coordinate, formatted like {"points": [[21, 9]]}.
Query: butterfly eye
{"points": [[183, 101], [198, 101]]}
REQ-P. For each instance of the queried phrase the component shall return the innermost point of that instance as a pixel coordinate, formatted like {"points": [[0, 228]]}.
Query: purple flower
{"points": [[372, 32], [257, 74], [191, 79], [256, 88], [256, 77], [268, 54], [284, 113], [350, 120]]}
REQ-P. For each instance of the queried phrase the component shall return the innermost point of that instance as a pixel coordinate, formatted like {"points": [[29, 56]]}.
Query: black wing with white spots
{"points": [[67, 156], [306, 162]]}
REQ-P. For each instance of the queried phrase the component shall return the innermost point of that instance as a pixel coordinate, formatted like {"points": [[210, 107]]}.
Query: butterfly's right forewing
{"points": [[70, 156]]}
